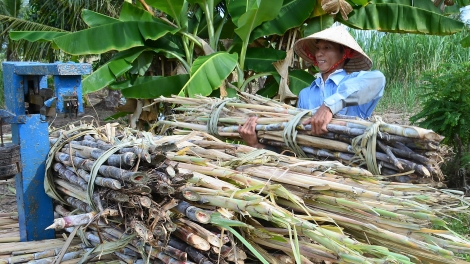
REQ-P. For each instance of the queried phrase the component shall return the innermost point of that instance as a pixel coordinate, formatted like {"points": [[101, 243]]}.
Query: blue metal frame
{"points": [[35, 210]]}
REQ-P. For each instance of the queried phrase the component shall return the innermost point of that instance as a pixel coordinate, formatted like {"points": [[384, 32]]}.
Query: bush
{"points": [[445, 105], [445, 102]]}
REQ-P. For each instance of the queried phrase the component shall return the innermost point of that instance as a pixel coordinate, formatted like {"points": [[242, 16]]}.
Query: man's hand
{"points": [[319, 120], [248, 133]]}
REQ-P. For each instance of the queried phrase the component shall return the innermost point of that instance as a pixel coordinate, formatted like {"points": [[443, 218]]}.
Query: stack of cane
{"points": [[195, 199], [131, 199], [412, 154]]}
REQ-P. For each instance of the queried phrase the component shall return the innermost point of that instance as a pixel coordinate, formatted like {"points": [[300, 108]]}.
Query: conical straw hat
{"points": [[359, 62]]}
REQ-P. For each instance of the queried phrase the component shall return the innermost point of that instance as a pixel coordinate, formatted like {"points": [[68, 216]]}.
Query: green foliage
{"points": [[403, 58], [177, 30], [445, 102]]}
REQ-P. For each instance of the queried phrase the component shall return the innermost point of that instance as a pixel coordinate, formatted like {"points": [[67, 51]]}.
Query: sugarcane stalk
{"points": [[194, 213], [305, 249], [126, 159], [126, 258], [20, 248], [79, 204], [391, 156], [175, 253], [100, 181], [61, 210], [235, 176], [210, 153], [70, 175], [202, 232], [193, 253], [42, 254], [410, 154], [117, 196], [191, 238], [70, 190], [200, 179], [67, 256], [77, 220], [107, 171]]}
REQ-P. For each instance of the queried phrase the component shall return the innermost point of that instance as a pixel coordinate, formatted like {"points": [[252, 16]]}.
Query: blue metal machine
{"points": [[27, 100]]}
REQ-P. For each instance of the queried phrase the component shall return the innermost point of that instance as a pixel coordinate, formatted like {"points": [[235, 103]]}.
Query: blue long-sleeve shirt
{"points": [[354, 94]]}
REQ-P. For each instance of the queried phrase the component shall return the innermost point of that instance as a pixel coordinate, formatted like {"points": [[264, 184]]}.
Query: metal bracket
{"points": [[10, 118]]}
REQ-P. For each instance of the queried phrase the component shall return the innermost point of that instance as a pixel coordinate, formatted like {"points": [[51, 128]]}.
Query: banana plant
{"points": [[208, 42]]}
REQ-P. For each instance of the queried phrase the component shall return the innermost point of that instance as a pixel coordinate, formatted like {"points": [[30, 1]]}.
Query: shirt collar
{"points": [[335, 76]]}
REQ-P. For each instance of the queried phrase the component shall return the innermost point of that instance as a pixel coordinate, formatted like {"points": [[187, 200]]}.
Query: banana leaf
{"points": [[293, 13], [130, 12], [32, 36], [108, 73], [150, 87], [208, 73], [268, 10], [398, 18], [318, 23], [117, 36], [261, 59], [173, 8], [93, 19], [298, 80]]}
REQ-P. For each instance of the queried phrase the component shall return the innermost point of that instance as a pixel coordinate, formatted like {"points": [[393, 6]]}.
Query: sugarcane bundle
{"points": [[410, 153], [208, 201], [130, 199]]}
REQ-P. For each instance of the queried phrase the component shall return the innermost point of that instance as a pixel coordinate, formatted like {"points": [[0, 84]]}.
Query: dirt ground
{"points": [[99, 111]]}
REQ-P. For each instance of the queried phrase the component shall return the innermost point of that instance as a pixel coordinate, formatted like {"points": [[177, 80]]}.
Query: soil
{"points": [[99, 109]]}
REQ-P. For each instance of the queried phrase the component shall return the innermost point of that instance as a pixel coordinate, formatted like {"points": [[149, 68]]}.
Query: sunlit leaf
{"points": [[208, 72], [117, 36], [268, 10]]}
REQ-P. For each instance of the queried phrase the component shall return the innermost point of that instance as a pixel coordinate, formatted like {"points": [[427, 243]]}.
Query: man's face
{"points": [[327, 54]]}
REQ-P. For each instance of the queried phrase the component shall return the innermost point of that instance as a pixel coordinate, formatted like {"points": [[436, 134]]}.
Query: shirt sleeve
{"points": [[358, 90]]}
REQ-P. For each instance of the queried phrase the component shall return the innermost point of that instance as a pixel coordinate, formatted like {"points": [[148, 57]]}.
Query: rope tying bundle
{"points": [[364, 146], [214, 117], [290, 133]]}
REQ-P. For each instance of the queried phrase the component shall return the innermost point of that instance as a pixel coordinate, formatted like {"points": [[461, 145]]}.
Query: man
{"points": [[345, 85]]}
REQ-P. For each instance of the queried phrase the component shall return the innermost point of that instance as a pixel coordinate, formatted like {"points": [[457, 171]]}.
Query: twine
{"points": [[214, 117], [364, 146], [290, 133]]}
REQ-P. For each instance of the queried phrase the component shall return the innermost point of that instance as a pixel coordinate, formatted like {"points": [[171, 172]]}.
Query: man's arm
{"points": [[358, 90]]}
